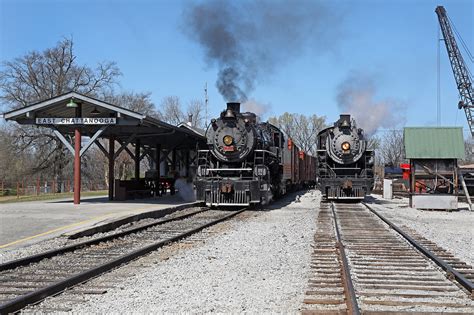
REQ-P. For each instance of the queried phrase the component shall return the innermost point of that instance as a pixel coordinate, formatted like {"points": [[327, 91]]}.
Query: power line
{"points": [[463, 43]]}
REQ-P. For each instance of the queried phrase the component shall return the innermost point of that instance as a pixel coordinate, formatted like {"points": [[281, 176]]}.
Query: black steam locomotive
{"points": [[247, 162], [345, 165]]}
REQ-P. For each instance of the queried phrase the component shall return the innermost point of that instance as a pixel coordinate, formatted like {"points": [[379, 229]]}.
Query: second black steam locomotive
{"points": [[345, 165], [248, 162]]}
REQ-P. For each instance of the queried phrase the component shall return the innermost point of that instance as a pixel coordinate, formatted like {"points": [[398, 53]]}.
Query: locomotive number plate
{"points": [[228, 148]]}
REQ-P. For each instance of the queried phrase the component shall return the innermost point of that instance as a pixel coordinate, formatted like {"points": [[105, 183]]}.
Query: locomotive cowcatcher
{"points": [[345, 165], [248, 162]]}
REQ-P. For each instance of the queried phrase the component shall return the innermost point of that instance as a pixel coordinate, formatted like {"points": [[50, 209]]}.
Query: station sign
{"points": [[77, 121]]}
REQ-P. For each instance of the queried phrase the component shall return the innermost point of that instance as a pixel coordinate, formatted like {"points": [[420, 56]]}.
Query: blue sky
{"points": [[392, 42]]}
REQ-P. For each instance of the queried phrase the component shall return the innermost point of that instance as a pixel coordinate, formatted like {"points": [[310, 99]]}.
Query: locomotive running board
{"points": [[228, 204]]}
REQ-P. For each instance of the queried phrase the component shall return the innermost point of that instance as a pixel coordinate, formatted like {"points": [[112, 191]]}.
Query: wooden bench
{"points": [[131, 189]]}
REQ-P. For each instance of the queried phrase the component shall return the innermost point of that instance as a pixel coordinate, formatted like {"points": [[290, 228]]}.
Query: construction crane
{"points": [[461, 72]]}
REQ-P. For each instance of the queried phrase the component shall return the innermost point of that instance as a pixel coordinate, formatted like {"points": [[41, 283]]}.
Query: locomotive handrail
{"points": [[270, 152], [228, 169]]}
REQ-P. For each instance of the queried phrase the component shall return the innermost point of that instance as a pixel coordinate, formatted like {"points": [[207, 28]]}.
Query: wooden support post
{"points": [[157, 168], [77, 166], [173, 168], [37, 186], [137, 159], [173, 161], [111, 167], [466, 192], [77, 159], [18, 189], [412, 181], [186, 162]]}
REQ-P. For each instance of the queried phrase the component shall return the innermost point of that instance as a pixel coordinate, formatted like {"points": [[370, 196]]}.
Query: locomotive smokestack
{"points": [[234, 106], [344, 121]]}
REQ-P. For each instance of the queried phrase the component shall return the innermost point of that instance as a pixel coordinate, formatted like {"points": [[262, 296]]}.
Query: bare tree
{"points": [[469, 151], [41, 75], [170, 109], [138, 102], [373, 142], [286, 122], [196, 109], [14, 163], [303, 130], [392, 148]]}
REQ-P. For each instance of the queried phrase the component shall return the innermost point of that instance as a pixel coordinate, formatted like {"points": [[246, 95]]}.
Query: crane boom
{"points": [[460, 71]]}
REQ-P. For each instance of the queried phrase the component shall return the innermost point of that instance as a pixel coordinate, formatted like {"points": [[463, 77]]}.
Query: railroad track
{"points": [[329, 290], [362, 264], [31, 279]]}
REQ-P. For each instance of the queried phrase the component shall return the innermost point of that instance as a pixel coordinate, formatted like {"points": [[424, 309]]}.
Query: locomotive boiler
{"points": [[345, 165], [247, 162]]}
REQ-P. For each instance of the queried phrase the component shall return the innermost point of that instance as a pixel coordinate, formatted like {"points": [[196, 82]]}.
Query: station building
{"points": [[116, 130]]}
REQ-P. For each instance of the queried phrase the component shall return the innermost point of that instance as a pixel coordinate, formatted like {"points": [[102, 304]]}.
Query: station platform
{"points": [[26, 223]]}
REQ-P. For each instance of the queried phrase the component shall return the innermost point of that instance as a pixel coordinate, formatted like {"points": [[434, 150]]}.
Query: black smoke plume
{"points": [[247, 40]]}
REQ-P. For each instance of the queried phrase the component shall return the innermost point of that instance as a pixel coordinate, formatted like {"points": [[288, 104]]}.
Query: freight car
{"points": [[249, 162], [345, 165]]}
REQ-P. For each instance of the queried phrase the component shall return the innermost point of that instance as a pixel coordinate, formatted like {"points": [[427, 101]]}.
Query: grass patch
{"points": [[11, 199]]}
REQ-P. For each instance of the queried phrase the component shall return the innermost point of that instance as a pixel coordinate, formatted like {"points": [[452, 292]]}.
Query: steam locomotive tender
{"points": [[248, 162], [345, 165]]}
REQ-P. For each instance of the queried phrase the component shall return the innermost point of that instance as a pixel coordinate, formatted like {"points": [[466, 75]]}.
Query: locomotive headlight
{"points": [[228, 140], [345, 146]]}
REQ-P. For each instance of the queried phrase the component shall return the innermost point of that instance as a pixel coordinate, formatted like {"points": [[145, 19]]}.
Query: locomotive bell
{"points": [[229, 114]]}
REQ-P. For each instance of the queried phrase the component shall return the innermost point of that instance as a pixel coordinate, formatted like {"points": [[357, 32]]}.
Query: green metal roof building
{"points": [[434, 154], [434, 143]]}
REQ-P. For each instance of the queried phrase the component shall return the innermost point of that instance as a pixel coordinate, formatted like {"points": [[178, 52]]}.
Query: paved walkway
{"points": [[25, 223]]}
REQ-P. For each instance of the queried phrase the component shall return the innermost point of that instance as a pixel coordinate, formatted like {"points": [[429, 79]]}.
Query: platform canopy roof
{"points": [[433, 143], [124, 124]]}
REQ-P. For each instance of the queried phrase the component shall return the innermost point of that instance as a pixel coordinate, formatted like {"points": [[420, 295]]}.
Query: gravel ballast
{"points": [[451, 230], [259, 265], [61, 241]]}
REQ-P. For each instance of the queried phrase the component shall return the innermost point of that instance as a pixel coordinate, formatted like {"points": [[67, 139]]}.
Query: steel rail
{"points": [[48, 254], [452, 274], [57, 287], [351, 299]]}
